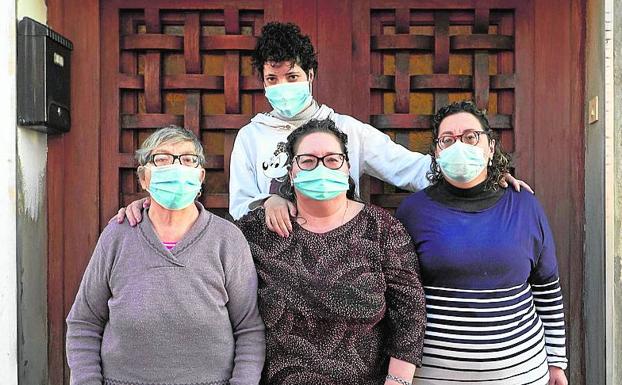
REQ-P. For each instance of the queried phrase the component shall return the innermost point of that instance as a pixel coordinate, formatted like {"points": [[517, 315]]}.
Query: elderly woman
{"points": [[173, 300], [494, 304], [341, 296]]}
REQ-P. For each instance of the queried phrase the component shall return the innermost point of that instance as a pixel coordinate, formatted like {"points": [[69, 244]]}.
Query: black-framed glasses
{"points": [[467, 137], [309, 162], [189, 160]]}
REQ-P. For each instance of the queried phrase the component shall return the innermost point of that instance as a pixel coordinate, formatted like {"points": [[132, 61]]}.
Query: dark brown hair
{"points": [[293, 140]]}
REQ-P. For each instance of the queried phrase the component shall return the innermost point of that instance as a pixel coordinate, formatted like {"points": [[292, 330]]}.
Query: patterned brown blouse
{"points": [[337, 305]]}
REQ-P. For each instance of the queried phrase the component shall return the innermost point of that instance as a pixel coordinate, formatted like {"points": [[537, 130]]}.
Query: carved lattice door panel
{"points": [[190, 67], [420, 58]]}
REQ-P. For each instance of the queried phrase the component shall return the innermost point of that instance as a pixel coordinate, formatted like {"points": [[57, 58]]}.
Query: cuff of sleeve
{"points": [[414, 359], [558, 363], [258, 202]]}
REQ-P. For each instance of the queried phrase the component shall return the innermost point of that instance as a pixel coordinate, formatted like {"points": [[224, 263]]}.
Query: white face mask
{"points": [[462, 162]]}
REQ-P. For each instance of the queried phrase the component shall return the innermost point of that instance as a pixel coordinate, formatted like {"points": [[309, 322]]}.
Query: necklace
{"points": [[305, 223], [343, 218]]}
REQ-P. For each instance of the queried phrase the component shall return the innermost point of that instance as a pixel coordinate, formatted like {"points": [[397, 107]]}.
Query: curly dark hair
{"points": [[293, 140], [500, 160], [284, 42]]}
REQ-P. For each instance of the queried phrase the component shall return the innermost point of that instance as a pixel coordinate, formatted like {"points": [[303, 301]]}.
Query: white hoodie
{"points": [[259, 156]]}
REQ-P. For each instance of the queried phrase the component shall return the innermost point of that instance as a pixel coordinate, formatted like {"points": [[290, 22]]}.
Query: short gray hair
{"points": [[169, 134]]}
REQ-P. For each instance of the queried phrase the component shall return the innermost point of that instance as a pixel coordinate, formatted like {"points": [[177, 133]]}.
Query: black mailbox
{"points": [[43, 73]]}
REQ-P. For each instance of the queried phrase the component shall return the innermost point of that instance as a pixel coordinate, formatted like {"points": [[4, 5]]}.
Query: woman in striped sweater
{"points": [[488, 265]]}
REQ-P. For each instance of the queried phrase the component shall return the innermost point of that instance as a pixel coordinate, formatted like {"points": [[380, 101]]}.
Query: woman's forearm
{"points": [[400, 370]]}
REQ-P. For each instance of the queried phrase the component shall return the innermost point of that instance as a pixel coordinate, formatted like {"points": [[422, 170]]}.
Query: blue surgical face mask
{"points": [[174, 186], [321, 183], [288, 99], [461, 162]]}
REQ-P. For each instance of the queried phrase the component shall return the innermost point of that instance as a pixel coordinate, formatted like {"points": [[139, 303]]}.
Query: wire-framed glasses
{"points": [[467, 137]]}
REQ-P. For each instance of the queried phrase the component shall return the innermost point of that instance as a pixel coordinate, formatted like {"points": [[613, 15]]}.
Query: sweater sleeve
{"points": [[243, 188], [405, 298], [547, 295], [87, 319], [386, 160], [248, 328]]}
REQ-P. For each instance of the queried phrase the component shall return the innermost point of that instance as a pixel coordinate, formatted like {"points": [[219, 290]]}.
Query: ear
{"points": [[141, 170], [311, 75], [492, 146], [202, 177]]}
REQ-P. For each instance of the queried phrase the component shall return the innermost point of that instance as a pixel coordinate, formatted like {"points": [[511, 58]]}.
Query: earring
{"points": [[490, 161]]}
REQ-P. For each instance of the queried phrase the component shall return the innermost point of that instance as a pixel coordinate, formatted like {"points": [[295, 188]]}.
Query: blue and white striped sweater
{"points": [[493, 300]]}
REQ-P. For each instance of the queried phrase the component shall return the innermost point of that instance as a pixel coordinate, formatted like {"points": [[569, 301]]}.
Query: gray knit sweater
{"points": [[147, 315]]}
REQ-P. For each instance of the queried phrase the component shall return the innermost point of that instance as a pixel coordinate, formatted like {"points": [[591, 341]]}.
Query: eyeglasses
{"points": [[189, 160], [309, 162], [467, 137]]}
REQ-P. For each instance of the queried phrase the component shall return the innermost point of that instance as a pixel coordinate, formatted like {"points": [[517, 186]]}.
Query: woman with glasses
{"points": [[173, 300], [488, 265], [341, 296]]}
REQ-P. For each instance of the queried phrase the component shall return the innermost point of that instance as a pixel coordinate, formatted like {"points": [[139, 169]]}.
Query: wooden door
{"points": [[388, 62]]}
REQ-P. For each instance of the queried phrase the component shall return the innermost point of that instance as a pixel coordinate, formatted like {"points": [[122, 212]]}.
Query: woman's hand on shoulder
{"points": [[133, 212], [278, 210], [557, 376], [508, 179]]}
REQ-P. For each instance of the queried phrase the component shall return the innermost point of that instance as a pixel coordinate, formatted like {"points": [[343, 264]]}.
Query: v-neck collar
{"points": [[177, 255]]}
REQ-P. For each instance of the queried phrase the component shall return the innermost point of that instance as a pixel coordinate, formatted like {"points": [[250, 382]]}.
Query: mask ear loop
{"points": [[140, 173], [289, 174], [311, 78]]}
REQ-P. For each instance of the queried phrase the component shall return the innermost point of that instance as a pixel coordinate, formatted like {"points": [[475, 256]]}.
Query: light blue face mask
{"points": [[321, 183], [288, 99], [461, 162], [175, 186]]}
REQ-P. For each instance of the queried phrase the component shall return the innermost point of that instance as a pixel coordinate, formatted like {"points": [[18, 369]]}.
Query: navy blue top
{"points": [[505, 245]]}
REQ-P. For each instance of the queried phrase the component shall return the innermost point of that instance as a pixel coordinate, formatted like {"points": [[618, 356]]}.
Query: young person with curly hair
{"points": [[287, 63]]}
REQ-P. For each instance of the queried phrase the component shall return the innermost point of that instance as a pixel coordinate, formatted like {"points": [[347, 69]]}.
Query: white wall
{"points": [[603, 200], [8, 228], [31, 221], [616, 175]]}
